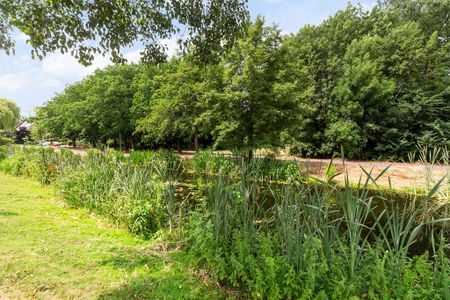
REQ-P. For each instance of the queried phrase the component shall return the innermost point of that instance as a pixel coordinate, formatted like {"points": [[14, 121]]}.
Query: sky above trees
{"points": [[32, 82]]}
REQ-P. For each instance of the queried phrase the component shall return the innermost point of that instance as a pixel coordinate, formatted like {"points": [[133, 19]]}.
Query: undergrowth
{"points": [[259, 226]]}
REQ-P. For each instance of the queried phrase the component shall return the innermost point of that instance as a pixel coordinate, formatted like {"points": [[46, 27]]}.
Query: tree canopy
{"points": [[9, 114], [84, 28], [375, 83]]}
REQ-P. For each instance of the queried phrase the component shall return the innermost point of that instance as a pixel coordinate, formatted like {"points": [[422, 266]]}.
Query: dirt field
{"points": [[401, 175]]}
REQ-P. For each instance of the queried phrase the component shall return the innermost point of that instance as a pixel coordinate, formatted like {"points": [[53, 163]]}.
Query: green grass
{"points": [[49, 251]]}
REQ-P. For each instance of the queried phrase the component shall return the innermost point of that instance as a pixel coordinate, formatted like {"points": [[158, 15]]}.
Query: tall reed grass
{"points": [[318, 241], [267, 169], [133, 191]]}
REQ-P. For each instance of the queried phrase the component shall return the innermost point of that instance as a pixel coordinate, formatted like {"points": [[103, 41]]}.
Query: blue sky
{"points": [[32, 82]]}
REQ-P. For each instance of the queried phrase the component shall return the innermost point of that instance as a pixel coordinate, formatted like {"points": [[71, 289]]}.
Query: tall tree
{"points": [[111, 98], [379, 78], [97, 108], [62, 117], [256, 104], [431, 15], [362, 96], [179, 102], [9, 114], [323, 48]]}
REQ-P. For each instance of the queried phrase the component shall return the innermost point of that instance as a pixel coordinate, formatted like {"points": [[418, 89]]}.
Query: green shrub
{"points": [[39, 163], [4, 140], [3, 152], [206, 162], [279, 170]]}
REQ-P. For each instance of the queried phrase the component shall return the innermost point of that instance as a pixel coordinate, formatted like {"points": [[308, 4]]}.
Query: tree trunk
{"points": [[74, 143], [179, 146], [250, 155], [196, 144]]}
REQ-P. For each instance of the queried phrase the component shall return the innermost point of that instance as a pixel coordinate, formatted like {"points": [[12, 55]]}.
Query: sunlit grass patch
{"points": [[49, 250]]}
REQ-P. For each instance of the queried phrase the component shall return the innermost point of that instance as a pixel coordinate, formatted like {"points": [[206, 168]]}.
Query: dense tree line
{"points": [[373, 82]]}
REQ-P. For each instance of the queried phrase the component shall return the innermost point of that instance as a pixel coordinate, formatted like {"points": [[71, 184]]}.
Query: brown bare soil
{"points": [[399, 175]]}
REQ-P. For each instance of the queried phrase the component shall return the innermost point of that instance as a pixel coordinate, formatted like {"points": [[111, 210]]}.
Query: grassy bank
{"points": [[49, 251], [261, 226]]}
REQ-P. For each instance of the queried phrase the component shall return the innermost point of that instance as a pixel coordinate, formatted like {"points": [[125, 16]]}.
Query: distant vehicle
{"points": [[51, 144]]}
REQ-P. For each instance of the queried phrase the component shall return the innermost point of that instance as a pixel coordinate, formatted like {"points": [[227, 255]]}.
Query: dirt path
{"points": [[399, 175]]}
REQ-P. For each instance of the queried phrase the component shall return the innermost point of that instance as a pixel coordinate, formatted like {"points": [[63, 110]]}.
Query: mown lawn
{"points": [[48, 250]]}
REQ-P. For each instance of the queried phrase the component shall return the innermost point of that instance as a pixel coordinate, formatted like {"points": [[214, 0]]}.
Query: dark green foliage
{"points": [[261, 96], [378, 77], [97, 110], [178, 106]]}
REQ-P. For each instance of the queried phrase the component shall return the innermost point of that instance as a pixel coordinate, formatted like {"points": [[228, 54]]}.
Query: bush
{"points": [[4, 140], [278, 170], [206, 162], [39, 163], [3, 152], [164, 163]]}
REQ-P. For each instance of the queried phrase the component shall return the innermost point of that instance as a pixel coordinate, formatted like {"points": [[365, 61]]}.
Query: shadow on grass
{"points": [[8, 213], [156, 274], [128, 259]]}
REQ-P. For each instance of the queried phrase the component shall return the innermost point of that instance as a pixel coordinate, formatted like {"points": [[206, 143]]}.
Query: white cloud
{"points": [[133, 56], [21, 37], [50, 83], [10, 82], [66, 68], [56, 70], [171, 45]]}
